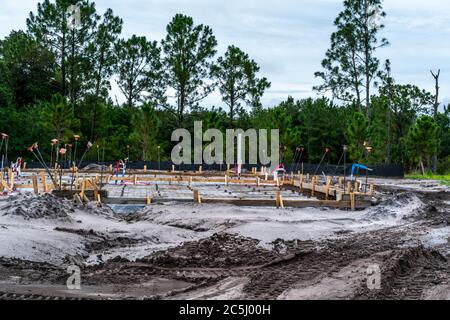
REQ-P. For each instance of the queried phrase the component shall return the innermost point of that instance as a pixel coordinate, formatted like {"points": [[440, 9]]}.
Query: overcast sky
{"points": [[288, 38]]}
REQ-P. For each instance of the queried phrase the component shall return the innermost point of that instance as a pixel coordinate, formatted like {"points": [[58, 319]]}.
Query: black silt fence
{"points": [[387, 171]]}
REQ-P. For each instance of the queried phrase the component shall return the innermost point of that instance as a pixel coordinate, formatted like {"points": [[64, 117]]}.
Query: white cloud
{"points": [[288, 38]]}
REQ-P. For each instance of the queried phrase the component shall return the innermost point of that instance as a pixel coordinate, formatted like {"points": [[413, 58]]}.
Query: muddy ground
{"points": [[204, 252]]}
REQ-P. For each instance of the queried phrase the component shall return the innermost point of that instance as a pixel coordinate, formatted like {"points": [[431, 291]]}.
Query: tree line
{"points": [[55, 82]]}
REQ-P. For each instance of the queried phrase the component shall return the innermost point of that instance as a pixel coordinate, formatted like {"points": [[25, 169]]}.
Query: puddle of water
{"points": [[126, 208]]}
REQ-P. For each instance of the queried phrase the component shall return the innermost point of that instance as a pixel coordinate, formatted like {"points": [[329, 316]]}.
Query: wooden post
{"points": [[372, 189], [200, 169], [340, 182], [35, 184], [356, 186], [190, 181], [96, 194], [135, 180], [353, 201], [226, 180], [145, 168], [349, 187], [257, 181], [313, 186], [197, 198], [83, 187], [24, 166], [300, 184], [173, 168], [110, 168], [279, 200], [43, 181], [149, 200], [327, 187], [228, 167], [11, 179]]}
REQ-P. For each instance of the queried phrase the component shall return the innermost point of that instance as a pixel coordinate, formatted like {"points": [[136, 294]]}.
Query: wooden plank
{"points": [[249, 202]]}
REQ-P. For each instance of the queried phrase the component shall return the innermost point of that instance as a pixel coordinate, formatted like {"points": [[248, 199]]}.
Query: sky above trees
{"points": [[287, 38]]}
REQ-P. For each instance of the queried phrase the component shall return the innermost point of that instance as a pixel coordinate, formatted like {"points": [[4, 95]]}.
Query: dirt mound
{"points": [[48, 206], [405, 205], [217, 251], [43, 207], [408, 273]]}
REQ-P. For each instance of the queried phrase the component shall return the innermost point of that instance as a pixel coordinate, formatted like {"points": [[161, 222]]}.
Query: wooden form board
{"points": [[247, 202]]}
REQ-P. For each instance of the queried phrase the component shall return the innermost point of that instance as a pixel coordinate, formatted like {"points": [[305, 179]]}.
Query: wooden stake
{"points": [[83, 187], [35, 184], [327, 187], [43, 181], [99, 198], [197, 198], [313, 186], [372, 189], [279, 200], [353, 201], [145, 168], [11, 179], [149, 200]]}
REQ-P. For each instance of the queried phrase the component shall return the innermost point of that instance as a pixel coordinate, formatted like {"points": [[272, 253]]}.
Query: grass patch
{"points": [[444, 179]]}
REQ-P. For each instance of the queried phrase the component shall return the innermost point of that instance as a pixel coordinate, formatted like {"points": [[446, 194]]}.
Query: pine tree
{"points": [[188, 50], [350, 66], [139, 70], [422, 141], [235, 74]]}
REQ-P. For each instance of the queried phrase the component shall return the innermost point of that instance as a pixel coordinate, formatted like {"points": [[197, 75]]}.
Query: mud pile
{"points": [[43, 207], [217, 251], [47, 206]]}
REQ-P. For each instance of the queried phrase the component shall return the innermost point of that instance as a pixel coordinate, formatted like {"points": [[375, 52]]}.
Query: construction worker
{"points": [[16, 167], [121, 166]]}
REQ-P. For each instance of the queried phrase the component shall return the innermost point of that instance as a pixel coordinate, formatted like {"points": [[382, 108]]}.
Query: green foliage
{"points": [[235, 74], [145, 124], [164, 85], [350, 65], [26, 70], [139, 69], [188, 50], [357, 136], [422, 141], [70, 46], [58, 117]]}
